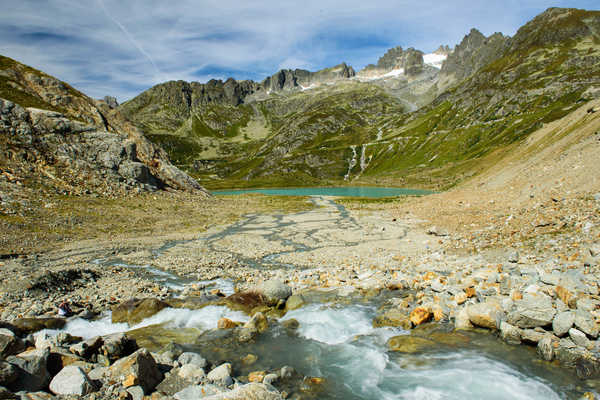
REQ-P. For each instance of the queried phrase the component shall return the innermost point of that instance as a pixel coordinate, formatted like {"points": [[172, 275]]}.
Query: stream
{"points": [[335, 338]]}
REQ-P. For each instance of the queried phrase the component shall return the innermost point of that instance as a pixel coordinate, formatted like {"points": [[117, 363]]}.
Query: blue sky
{"points": [[122, 47]]}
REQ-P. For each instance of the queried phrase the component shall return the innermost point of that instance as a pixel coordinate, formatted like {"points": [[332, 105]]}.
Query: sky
{"points": [[123, 47]]}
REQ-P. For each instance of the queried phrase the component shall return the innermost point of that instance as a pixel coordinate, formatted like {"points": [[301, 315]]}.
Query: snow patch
{"points": [[435, 60], [394, 72]]}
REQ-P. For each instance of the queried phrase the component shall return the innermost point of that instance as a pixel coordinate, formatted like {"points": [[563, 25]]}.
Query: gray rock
{"points": [[117, 345], [8, 373], [192, 373], [270, 378], [532, 311], [532, 336], [567, 353], [275, 290], [513, 257], [438, 287], [198, 392], [71, 380], [550, 279], [485, 315], [221, 375], [136, 392], [33, 370], [250, 391], [9, 343], [88, 347], [562, 323], [111, 101], [141, 366], [545, 348], [192, 358], [286, 372], [579, 338], [510, 334], [586, 323]]}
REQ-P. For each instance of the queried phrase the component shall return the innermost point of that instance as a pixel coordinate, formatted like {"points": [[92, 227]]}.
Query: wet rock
{"points": [[9, 343], [87, 347], [225, 323], [257, 323], [586, 323], [532, 336], [587, 368], [33, 370], [275, 290], [294, 302], [461, 319], [562, 323], [221, 375], [567, 352], [485, 315], [137, 369], [198, 392], [192, 358], [134, 311], [409, 344], [71, 380], [509, 333], [256, 376], [269, 379], [532, 311], [545, 348], [8, 373], [32, 325], [420, 315], [395, 318]]}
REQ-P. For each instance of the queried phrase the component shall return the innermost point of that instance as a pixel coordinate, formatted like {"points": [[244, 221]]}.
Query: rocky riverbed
{"points": [[222, 299]]}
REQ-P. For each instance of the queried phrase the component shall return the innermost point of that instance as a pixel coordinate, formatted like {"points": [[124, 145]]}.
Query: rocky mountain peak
{"points": [[410, 61]]}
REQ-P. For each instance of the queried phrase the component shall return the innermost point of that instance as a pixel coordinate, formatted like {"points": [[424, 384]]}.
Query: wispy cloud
{"points": [[123, 47]]}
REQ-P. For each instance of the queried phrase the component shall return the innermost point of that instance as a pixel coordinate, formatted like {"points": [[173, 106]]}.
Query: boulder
{"points": [[117, 345], [9, 343], [409, 344], [545, 348], [461, 319], [250, 391], [486, 315], [32, 325], [86, 348], [586, 322], [393, 317], [509, 333], [579, 338], [275, 290], [562, 322], [420, 315], [192, 358], [534, 310], [221, 375], [195, 392], [532, 336], [294, 302], [136, 392], [33, 370], [71, 380], [226, 323], [8, 373], [191, 373], [137, 369], [134, 311], [257, 323]]}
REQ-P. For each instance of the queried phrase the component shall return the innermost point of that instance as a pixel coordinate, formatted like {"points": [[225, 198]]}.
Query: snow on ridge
{"points": [[394, 72], [435, 60]]}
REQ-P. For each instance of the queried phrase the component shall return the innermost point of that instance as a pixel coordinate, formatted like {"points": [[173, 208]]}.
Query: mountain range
{"points": [[429, 120]]}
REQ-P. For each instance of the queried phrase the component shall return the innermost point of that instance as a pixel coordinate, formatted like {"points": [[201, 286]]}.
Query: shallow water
{"points": [[359, 191]]}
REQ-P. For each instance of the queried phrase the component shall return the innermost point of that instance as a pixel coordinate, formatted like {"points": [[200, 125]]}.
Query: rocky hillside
{"points": [[51, 134], [409, 119]]}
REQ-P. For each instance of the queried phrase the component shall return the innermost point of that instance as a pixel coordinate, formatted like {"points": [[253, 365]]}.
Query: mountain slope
{"points": [[53, 133]]}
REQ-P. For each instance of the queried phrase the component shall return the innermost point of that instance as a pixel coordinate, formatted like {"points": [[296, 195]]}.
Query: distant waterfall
{"points": [[351, 163]]}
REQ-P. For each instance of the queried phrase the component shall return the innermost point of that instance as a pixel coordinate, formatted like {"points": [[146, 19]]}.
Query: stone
{"points": [[470, 292], [409, 344], [567, 353], [257, 323], [225, 323], [8, 373], [275, 290], [545, 348], [192, 358], [562, 322], [249, 359], [269, 379], [71, 380], [532, 336], [294, 302], [460, 298], [32, 325], [33, 370], [139, 365], [221, 375], [117, 345], [393, 317], [136, 392], [586, 322], [256, 376], [195, 392], [565, 296], [461, 320], [485, 315], [579, 338], [532, 311], [134, 311], [86, 348], [513, 257], [510, 334], [420, 315], [286, 372], [250, 391], [9, 343], [192, 373]]}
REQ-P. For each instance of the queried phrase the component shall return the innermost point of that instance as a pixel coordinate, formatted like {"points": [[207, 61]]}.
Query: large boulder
{"points": [[533, 310], [9, 343], [135, 310], [32, 325], [409, 344], [221, 375], [71, 380], [586, 322], [33, 370], [562, 322], [117, 345], [250, 391], [138, 369], [486, 315], [275, 290]]}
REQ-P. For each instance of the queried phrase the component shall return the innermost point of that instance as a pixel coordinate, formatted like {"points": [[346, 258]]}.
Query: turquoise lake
{"points": [[373, 192]]}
